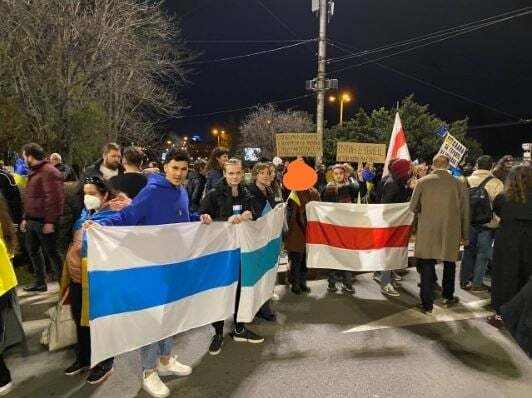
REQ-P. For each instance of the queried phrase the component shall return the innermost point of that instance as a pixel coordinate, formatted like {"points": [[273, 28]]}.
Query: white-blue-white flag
{"points": [[147, 283], [260, 244]]}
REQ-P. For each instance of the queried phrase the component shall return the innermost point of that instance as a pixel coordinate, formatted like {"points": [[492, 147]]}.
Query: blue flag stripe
{"points": [[256, 263], [115, 292]]}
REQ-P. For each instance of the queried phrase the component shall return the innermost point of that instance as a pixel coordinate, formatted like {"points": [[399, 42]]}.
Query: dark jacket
{"points": [[512, 252], [297, 220], [259, 199], [395, 191], [68, 172], [347, 193], [213, 178], [11, 193], [44, 194], [195, 187], [158, 203], [218, 203], [517, 317], [94, 170]]}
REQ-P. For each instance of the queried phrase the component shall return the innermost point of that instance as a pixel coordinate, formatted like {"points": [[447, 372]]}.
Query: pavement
{"points": [[322, 345]]}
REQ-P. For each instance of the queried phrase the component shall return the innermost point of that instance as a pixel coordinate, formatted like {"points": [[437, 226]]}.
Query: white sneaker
{"points": [[275, 297], [154, 386], [174, 368], [6, 389], [389, 290]]}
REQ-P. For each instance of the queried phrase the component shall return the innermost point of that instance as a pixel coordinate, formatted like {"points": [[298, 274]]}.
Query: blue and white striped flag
{"points": [[260, 243], [147, 283]]}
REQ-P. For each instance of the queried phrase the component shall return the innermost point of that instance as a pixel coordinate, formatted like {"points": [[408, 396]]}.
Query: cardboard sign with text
{"points": [[453, 149], [360, 152], [298, 144]]}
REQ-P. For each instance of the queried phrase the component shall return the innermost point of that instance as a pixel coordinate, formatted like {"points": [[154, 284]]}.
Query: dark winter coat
{"points": [[395, 191], [195, 187], [11, 193], [346, 193], [512, 252], [44, 194], [297, 219], [214, 176], [94, 170], [218, 203], [517, 317], [259, 199]]}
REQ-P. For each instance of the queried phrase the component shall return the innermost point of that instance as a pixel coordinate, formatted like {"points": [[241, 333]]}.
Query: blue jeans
{"points": [[386, 278], [477, 255], [150, 353]]}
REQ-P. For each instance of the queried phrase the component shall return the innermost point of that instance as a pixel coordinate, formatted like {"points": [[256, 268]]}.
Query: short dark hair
{"points": [[133, 155], [485, 162], [34, 150], [178, 155], [111, 146], [101, 185]]}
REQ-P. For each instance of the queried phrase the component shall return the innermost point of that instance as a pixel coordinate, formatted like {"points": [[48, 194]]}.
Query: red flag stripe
{"points": [[399, 141], [355, 238]]}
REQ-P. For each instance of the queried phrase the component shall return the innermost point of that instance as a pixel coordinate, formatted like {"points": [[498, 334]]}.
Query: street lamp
{"points": [[345, 97], [215, 132]]}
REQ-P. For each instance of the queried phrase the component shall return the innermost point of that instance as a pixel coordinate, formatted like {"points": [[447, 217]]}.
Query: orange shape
{"points": [[299, 176]]}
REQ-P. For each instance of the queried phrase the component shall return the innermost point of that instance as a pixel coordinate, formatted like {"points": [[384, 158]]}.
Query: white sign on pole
{"points": [[453, 149]]}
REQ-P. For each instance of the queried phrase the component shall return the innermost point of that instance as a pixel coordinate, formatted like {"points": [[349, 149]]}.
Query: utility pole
{"points": [[322, 58], [320, 84]]}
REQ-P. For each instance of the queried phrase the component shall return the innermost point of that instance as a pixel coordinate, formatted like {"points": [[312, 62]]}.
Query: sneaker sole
{"points": [[77, 372], [243, 340], [213, 353], [391, 294], [103, 378], [169, 373], [152, 394]]}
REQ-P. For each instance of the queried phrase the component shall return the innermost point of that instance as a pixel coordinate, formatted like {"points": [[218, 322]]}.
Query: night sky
{"points": [[491, 66]]}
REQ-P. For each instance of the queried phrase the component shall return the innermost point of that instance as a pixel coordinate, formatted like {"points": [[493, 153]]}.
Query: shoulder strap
{"points": [[486, 180]]}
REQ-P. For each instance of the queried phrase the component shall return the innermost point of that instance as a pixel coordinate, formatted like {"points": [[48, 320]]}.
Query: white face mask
{"points": [[92, 202]]}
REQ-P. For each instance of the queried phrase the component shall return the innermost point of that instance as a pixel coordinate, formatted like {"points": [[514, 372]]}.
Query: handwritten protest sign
{"points": [[298, 144], [453, 149], [360, 152]]}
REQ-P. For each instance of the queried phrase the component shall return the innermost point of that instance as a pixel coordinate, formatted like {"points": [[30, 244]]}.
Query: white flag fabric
{"points": [[398, 148], [147, 283], [358, 237], [260, 245]]}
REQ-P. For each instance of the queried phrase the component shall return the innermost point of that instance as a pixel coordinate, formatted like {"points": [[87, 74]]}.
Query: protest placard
{"points": [[453, 149], [298, 144], [360, 152]]}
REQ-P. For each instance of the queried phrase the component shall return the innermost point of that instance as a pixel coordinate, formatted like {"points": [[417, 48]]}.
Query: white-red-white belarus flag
{"points": [[398, 148], [357, 237]]}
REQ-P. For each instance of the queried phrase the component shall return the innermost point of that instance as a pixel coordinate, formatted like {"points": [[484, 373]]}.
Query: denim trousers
{"points": [[477, 255], [150, 353]]}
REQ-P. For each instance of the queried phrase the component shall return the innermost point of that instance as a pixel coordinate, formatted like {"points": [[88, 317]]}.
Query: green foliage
{"points": [[419, 126]]}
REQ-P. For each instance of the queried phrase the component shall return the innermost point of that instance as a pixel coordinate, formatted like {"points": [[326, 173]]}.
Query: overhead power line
{"points": [[253, 54], [432, 85], [245, 107], [244, 41], [438, 36]]}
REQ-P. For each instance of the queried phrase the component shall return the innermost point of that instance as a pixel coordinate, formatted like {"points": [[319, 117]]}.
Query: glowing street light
{"points": [[345, 97], [215, 132]]}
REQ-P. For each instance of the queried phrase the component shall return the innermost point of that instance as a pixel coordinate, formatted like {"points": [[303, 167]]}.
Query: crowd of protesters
{"points": [[486, 209]]}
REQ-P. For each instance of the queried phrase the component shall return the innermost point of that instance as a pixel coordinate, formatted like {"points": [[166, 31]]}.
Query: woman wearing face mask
{"points": [[97, 200]]}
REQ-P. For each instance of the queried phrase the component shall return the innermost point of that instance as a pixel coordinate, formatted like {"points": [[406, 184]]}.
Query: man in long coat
{"points": [[441, 203]]}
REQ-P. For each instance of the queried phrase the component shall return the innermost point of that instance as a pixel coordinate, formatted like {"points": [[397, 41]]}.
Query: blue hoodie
{"points": [[159, 202]]}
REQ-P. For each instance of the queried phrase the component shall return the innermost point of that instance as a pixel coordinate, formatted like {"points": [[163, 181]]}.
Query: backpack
{"points": [[479, 202]]}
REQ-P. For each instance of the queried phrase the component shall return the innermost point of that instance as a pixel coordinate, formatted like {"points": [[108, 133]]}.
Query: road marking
{"points": [[412, 316]]}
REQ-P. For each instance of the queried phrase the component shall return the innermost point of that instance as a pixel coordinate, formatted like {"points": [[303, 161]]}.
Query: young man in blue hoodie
{"points": [[164, 200]]}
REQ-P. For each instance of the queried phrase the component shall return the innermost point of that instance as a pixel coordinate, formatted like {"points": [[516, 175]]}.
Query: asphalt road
{"points": [[323, 345]]}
